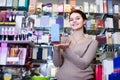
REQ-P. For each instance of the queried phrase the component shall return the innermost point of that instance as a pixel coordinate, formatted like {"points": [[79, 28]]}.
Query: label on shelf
{"points": [[12, 59], [7, 23]]}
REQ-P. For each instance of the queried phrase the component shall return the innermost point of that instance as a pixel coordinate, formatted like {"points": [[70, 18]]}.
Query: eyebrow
{"points": [[75, 17]]}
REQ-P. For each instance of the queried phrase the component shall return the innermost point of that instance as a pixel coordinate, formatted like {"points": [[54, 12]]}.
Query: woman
{"points": [[75, 53]]}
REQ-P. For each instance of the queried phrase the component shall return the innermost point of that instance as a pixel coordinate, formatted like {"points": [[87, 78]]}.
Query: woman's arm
{"points": [[59, 50], [84, 61], [57, 57]]}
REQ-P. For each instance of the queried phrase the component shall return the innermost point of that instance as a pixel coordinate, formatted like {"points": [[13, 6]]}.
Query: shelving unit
{"points": [[47, 54], [31, 44], [16, 65]]}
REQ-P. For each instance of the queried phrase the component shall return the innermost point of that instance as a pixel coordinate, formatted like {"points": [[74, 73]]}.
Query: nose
{"points": [[74, 20]]}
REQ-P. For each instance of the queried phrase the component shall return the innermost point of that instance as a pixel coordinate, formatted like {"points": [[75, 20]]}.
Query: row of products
{"points": [[20, 37], [109, 38], [14, 3], [15, 74], [108, 70], [45, 69], [7, 16], [42, 53], [12, 55], [10, 33], [103, 6]]}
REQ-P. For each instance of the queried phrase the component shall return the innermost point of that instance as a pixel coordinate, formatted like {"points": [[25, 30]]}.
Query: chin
{"points": [[76, 27]]}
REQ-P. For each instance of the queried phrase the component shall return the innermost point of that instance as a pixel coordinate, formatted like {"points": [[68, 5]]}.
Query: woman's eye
{"points": [[71, 20], [77, 18]]}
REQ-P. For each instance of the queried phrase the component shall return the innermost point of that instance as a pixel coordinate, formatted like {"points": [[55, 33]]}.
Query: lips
{"points": [[75, 24]]}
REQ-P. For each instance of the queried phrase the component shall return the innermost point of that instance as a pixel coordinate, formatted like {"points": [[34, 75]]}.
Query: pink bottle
{"points": [[98, 72]]}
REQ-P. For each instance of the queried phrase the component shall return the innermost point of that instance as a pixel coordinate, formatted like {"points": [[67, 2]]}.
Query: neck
{"points": [[78, 35]]}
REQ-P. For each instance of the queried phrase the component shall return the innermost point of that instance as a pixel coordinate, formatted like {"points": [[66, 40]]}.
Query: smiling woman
{"points": [[74, 54], [78, 18]]}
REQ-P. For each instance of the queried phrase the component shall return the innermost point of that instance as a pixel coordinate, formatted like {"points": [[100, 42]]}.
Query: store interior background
{"points": [[24, 35]]}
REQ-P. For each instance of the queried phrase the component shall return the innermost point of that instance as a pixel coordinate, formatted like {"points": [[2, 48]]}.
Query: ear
{"points": [[84, 22]]}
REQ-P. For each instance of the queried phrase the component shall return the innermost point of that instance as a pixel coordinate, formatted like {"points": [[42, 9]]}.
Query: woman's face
{"points": [[76, 21]]}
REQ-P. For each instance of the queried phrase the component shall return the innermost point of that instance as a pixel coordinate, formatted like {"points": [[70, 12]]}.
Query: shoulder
{"points": [[95, 42], [91, 38], [92, 41]]}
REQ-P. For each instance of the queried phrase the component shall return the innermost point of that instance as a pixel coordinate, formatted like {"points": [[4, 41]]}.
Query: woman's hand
{"points": [[62, 45]]}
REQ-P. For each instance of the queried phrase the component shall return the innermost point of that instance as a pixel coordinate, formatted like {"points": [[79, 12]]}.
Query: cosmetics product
{"points": [[44, 53], [15, 4], [23, 56], [110, 6], [86, 6], [43, 69], [0, 56], [73, 3], [55, 33], [44, 39], [98, 72], [12, 52], [32, 6], [23, 4], [60, 7], [67, 7], [105, 6], [13, 17], [34, 55], [49, 54], [108, 68], [88, 24], [100, 23], [9, 3], [44, 21], [49, 7], [60, 21], [8, 16], [119, 23], [4, 51], [39, 54], [55, 8], [116, 9], [4, 17], [2, 2]]}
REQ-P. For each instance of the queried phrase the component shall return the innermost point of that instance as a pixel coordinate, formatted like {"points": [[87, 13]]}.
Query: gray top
{"points": [[74, 62]]}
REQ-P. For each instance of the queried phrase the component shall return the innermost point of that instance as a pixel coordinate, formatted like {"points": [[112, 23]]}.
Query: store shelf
{"points": [[45, 45], [38, 61], [14, 42], [113, 30], [5, 8], [12, 65], [93, 17], [7, 23]]}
